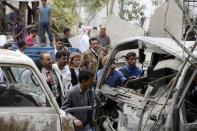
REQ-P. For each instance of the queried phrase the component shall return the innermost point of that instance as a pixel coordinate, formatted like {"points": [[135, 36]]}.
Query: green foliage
{"points": [[156, 2], [131, 10], [63, 14], [93, 5]]}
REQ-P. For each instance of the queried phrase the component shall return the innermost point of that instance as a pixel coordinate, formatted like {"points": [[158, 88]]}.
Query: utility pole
{"points": [[111, 6], [3, 26], [1, 12], [107, 8]]}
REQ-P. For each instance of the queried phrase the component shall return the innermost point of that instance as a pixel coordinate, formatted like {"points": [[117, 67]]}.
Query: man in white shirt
{"points": [[59, 46], [18, 71], [52, 77], [83, 43], [3, 40], [62, 69]]}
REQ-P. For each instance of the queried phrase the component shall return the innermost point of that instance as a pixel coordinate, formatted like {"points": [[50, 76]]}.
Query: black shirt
{"points": [[66, 42], [74, 79]]}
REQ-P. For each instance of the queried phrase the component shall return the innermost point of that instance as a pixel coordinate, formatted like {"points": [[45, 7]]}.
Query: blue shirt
{"points": [[114, 80], [129, 71], [44, 14]]}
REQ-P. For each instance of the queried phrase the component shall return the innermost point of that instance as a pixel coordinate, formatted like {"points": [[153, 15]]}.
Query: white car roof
{"points": [[13, 57], [165, 44]]}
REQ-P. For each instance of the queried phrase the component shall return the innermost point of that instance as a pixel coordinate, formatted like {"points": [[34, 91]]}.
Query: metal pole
{"points": [[75, 109]]}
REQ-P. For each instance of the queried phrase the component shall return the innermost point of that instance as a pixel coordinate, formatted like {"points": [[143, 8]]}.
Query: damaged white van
{"points": [[26, 102], [163, 99]]}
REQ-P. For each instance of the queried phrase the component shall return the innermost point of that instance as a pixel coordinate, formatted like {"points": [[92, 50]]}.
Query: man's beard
{"points": [[95, 49], [49, 66]]}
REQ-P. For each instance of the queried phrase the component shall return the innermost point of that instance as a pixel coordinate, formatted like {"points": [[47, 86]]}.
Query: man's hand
{"points": [[94, 122], [65, 49], [107, 46], [49, 78], [78, 123], [112, 68]]}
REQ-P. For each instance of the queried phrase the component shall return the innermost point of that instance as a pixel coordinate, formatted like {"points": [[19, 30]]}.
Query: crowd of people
{"points": [[44, 12], [71, 77]]}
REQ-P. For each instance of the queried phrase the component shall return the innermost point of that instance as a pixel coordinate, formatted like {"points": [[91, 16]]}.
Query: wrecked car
{"points": [[164, 98], [26, 102]]}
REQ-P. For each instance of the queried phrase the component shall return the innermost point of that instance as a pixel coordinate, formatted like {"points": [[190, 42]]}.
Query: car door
{"points": [[24, 103], [188, 101]]}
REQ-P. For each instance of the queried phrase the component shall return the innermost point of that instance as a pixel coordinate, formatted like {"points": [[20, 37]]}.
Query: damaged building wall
{"points": [[173, 20]]}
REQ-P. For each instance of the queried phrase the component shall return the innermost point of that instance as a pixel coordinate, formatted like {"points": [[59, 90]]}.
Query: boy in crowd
{"points": [[130, 70]]}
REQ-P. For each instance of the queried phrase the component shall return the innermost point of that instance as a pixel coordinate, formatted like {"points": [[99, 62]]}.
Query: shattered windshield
{"points": [[161, 84], [20, 87]]}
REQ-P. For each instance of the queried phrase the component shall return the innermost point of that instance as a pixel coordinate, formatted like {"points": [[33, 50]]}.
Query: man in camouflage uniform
{"points": [[91, 58]]}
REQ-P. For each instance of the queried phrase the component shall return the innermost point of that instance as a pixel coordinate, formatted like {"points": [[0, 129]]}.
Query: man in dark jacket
{"points": [[66, 36], [79, 96]]}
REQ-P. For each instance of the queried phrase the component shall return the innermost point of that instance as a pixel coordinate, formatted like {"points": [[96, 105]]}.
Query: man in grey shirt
{"points": [[103, 39], [79, 96], [45, 20]]}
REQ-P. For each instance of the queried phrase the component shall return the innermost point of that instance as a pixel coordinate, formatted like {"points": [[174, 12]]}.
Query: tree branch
{"points": [[11, 7]]}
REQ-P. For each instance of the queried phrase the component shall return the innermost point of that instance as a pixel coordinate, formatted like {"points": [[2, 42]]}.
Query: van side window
{"points": [[20, 87]]}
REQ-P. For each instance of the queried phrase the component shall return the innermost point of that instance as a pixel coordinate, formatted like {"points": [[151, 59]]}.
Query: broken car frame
{"points": [[26, 100], [163, 103]]}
